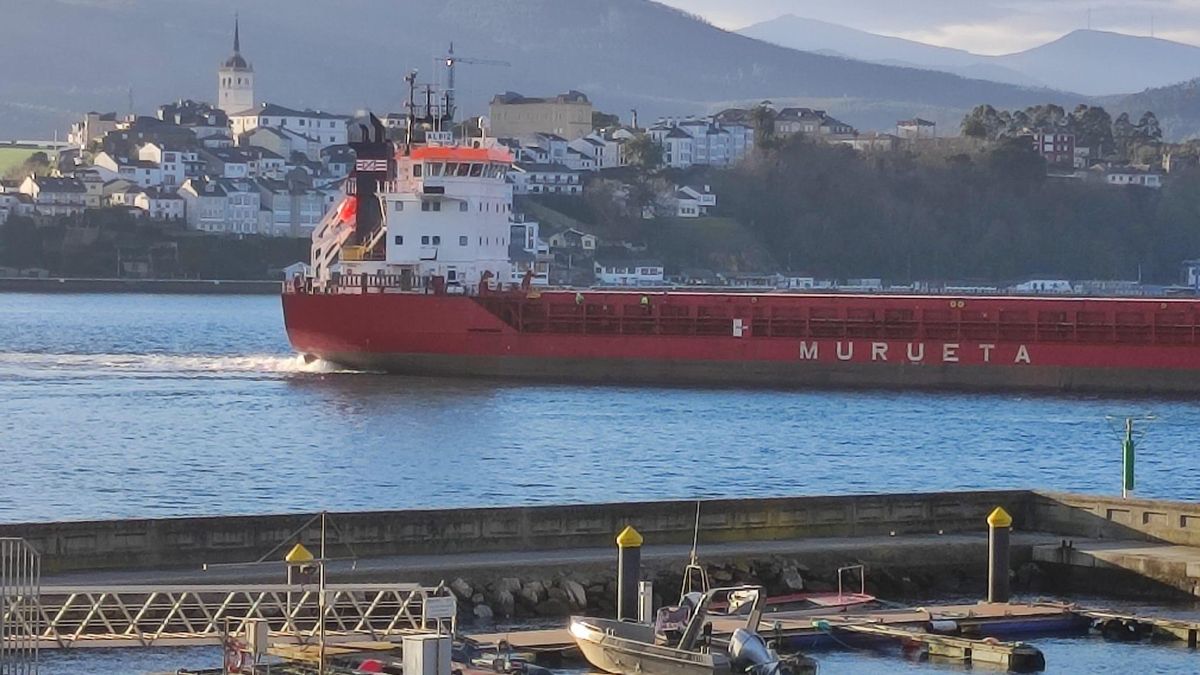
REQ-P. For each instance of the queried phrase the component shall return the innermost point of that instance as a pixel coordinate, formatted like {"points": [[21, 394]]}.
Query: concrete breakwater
{"points": [[174, 542], [525, 562]]}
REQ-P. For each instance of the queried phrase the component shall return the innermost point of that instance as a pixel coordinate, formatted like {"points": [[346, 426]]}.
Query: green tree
{"points": [[603, 120], [644, 153], [1049, 117], [1148, 128], [983, 122], [1093, 128], [37, 164], [1123, 133], [762, 118]]}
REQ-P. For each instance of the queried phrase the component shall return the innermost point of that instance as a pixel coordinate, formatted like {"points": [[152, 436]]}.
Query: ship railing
{"points": [[564, 315]]}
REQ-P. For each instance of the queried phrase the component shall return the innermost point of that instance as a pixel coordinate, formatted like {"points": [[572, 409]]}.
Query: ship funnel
{"points": [[375, 163]]}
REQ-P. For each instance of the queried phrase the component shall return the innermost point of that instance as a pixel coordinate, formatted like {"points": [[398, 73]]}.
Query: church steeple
{"points": [[235, 78]]}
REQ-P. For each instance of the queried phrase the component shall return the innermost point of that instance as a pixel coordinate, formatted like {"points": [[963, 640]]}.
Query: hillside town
{"points": [[243, 167]]}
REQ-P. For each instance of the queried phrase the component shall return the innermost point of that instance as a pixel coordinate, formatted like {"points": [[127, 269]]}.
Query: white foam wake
{"points": [[32, 364]]}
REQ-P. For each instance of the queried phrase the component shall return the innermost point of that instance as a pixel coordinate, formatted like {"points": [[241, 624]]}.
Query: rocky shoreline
{"points": [[556, 595]]}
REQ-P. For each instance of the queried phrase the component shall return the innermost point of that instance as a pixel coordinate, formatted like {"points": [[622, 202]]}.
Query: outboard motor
{"points": [[375, 162], [751, 653]]}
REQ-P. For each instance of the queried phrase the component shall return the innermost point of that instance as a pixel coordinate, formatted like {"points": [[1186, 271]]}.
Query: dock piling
{"points": [[629, 564], [999, 528]]}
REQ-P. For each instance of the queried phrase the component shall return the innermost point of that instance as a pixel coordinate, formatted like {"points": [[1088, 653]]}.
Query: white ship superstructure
{"points": [[441, 217]]}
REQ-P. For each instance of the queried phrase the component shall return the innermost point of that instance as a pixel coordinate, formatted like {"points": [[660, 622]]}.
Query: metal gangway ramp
{"points": [[20, 576], [64, 617]]}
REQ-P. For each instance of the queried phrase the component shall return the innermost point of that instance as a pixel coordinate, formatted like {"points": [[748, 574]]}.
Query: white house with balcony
{"points": [[527, 178], [694, 201]]}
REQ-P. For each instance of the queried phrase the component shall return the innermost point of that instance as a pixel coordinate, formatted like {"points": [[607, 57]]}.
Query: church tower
{"points": [[235, 79]]}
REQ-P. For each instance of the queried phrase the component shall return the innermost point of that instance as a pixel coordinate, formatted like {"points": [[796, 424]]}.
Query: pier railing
{"points": [[132, 616], [20, 586]]}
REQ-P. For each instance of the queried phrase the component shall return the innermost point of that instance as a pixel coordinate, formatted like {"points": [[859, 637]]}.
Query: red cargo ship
{"points": [[410, 274]]}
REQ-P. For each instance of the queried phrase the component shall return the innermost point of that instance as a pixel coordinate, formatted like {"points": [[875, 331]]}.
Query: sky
{"points": [[980, 26]]}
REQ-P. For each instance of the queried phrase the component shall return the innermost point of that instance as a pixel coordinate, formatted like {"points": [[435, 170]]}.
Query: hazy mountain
{"points": [[1088, 61], [64, 57], [1177, 108], [813, 35], [1098, 62]]}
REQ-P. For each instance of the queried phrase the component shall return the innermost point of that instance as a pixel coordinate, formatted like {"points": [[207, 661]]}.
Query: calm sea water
{"points": [[143, 405]]}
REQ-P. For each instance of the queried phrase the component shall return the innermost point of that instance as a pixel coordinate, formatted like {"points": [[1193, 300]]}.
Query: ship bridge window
{"points": [[416, 170], [463, 170], [451, 168], [476, 170], [434, 169]]}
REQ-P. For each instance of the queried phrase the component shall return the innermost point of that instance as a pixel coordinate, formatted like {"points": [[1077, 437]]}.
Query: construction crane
{"points": [[451, 60]]}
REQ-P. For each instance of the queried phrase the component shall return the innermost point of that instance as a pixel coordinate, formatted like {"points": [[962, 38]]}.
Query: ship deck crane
{"points": [[451, 60]]}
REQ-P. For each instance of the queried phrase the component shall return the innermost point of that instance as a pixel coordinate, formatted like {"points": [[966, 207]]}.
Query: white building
{"points": [[55, 196], [143, 172], [235, 79], [175, 164], [320, 129], [91, 128], [677, 145], [607, 150], [295, 209], [694, 202], [573, 239], [221, 205], [916, 129], [160, 204], [544, 179], [528, 253], [1052, 286], [1133, 177], [629, 272], [705, 141]]}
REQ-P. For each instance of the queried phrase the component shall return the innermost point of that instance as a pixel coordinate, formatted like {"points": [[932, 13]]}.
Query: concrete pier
{"points": [[909, 543]]}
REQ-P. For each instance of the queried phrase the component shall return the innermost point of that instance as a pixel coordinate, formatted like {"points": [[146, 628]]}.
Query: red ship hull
{"points": [[776, 340]]}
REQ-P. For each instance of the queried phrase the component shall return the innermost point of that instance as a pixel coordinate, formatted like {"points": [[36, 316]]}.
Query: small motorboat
{"points": [[801, 604], [680, 641]]}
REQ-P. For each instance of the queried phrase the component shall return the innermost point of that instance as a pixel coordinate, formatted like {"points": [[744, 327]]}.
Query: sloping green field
{"points": [[11, 156]]}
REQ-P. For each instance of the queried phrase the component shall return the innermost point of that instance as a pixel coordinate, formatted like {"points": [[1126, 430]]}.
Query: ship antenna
{"points": [[411, 79]]}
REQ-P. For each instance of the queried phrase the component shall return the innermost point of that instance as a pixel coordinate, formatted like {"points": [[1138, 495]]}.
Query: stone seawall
{"points": [[171, 542]]}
